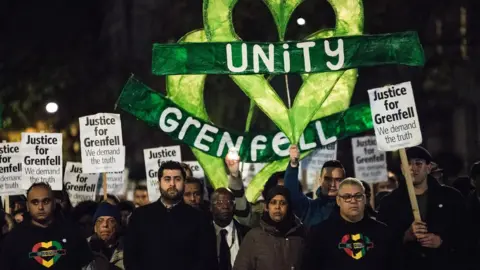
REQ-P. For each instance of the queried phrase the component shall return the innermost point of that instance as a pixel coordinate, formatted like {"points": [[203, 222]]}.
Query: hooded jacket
{"points": [[275, 246], [311, 212], [446, 217], [265, 249]]}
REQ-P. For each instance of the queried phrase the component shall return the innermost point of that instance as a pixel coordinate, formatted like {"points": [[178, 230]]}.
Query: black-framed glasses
{"points": [[349, 197], [224, 202]]}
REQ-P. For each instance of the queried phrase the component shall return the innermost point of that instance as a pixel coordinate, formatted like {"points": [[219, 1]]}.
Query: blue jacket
{"points": [[311, 212]]}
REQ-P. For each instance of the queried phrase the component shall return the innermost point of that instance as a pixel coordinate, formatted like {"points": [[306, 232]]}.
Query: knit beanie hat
{"points": [[107, 210]]}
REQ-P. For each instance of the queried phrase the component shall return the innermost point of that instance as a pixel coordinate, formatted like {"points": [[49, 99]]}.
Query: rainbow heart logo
{"points": [[356, 245], [47, 253]]}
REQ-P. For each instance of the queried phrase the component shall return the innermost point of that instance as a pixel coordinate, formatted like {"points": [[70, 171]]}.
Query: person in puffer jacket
{"points": [[278, 243]]}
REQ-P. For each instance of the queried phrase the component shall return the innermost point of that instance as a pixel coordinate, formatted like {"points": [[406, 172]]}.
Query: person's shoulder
{"points": [[451, 193], [146, 210], [324, 226], [376, 224]]}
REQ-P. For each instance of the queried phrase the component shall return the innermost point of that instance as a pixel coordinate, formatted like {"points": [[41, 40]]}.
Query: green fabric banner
{"points": [[157, 110], [308, 56]]}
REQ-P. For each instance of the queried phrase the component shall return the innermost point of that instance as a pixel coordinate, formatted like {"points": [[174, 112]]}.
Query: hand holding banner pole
{"points": [[409, 182]]}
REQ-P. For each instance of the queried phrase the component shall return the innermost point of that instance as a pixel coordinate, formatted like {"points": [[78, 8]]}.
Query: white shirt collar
{"points": [[229, 228]]}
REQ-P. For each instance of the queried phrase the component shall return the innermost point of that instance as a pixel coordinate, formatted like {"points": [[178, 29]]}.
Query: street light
{"points": [[51, 107], [301, 21]]}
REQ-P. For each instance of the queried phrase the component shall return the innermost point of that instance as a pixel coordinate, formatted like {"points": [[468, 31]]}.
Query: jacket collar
{"points": [[273, 231]]}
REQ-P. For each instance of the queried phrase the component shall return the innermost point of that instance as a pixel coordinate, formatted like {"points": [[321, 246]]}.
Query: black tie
{"points": [[224, 255]]}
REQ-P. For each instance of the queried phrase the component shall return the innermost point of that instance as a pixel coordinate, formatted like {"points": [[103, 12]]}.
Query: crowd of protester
{"points": [[192, 227]]}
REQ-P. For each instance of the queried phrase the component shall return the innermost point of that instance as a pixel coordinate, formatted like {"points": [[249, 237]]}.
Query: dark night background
{"points": [[80, 53]]}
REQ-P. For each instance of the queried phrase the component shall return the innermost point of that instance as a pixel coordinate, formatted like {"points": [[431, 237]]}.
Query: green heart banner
{"points": [[320, 113], [159, 111], [308, 56]]}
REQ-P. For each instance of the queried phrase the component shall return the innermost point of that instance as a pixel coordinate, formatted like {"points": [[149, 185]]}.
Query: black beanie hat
{"points": [[278, 190], [107, 210], [420, 153]]}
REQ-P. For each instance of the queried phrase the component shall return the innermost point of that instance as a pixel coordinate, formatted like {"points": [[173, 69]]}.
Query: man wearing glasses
{"points": [[439, 240], [350, 239], [312, 212], [229, 232]]}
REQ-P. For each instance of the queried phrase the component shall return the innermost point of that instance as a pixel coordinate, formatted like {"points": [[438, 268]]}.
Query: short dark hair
{"points": [[186, 167], [140, 187], [42, 185], [193, 180], [333, 164], [171, 165]]}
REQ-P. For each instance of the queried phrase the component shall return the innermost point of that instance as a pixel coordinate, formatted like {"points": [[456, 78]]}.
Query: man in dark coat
{"points": [[168, 234], [439, 241], [229, 232]]}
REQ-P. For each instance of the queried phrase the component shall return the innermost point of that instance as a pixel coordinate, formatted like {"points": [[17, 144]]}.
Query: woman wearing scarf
{"points": [[278, 243]]}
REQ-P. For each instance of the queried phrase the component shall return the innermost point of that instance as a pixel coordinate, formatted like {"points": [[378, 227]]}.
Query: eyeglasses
{"points": [[349, 197], [223, 202]]}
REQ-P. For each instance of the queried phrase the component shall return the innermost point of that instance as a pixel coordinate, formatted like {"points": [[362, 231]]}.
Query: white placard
{"points": [[197, 170], [10, 169], [79, 186], [101, 143], [249, 170], [370, 163], [395, 118], [116, 183], [199, 173], [314, 162], [154, 157], [42, 159]]}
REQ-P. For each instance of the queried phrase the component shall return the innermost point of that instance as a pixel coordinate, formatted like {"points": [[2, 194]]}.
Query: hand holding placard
{"points": [[396, 127]]}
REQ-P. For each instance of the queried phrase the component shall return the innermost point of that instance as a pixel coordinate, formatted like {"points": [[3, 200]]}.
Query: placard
{"points": [[313, 163], [395, 118], [41, 159], [116, 183], [101, 143], [370, 163], [154, 157], [79, 186], [10, 169]]}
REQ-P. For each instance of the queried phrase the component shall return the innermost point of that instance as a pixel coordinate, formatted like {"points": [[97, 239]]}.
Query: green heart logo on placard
{"points": [[321, 94]]}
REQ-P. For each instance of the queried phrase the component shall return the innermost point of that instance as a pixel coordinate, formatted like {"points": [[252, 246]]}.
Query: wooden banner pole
{"points": [[409, 182], [104, 185], [7, 204]]}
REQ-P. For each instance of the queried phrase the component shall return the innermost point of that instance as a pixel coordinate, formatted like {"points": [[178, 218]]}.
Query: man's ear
{"points": [[338, 201], [429, 168]]}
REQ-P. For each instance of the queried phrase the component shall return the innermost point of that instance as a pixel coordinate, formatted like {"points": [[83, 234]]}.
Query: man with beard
{"points": [[168, 234], [228, 231], [438, 241]]}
